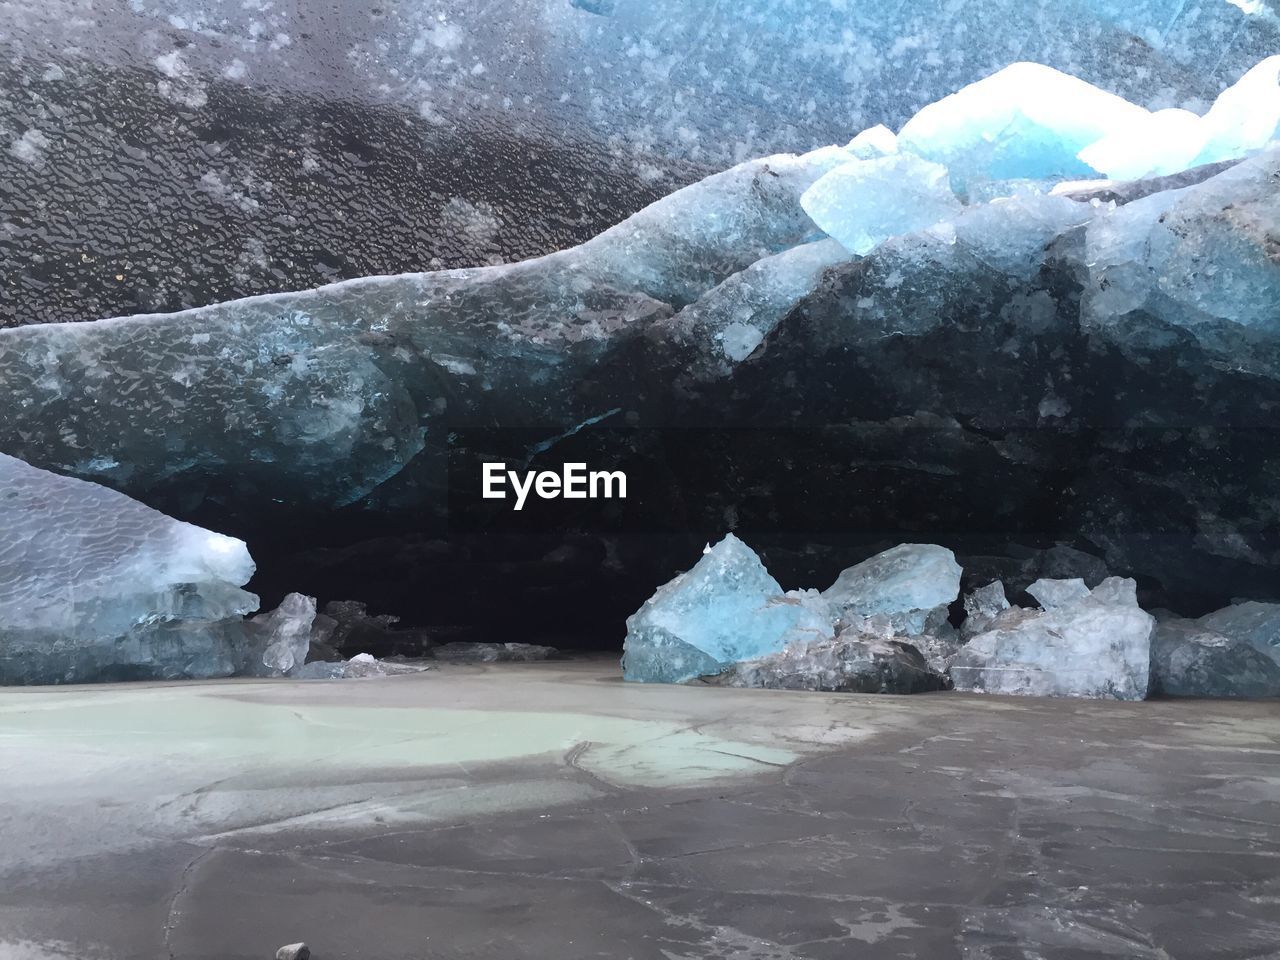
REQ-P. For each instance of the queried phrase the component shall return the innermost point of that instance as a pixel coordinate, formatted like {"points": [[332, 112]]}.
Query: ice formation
{"points": [[281, 638], [1245, 117], [981, 607], [946, 371], [1162, 143], [1098, 645], [1254, 623], [850, 663], [1084, 642], [1146, 258], [912, 584], [467, 652], [1051, 594], [359, 667], [95, 585], [863, 203], [1025, 122], [877, 141], [1189, 659], [727, 608], [728, 621], [322, 396]]}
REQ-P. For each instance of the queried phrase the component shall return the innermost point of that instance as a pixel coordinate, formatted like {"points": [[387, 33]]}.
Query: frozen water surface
{"points": [[246, 756]]}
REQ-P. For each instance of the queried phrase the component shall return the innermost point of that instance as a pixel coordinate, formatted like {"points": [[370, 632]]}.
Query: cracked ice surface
{"points": [[258, 742], [92, 582]]}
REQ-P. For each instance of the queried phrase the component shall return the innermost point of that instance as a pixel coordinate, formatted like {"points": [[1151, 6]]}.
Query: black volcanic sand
{"points": [[933, 826]]}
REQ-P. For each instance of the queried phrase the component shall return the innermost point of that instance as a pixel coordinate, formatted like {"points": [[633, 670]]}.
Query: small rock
{"points": [[294, 951]]}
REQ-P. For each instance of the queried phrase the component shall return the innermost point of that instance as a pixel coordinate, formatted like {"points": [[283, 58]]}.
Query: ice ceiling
{"points": [[454, 134]]}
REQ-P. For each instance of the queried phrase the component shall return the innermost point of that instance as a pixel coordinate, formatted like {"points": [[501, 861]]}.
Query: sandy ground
{"points": [[550, 811]]}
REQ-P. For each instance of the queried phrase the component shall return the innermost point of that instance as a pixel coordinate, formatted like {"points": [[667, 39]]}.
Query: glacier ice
{"points": [[280, 638], [725, 609], [1252, 622], [361, 666], [320, 397], [1163, 143], [470, 652], [1189, 659], [1242, 120], [1201, 258], [853, 662], [1098, 645], [95, 585], [912, 584], [877, 141], [366, 665], [981, 607], [1051, 594], [1245, 117], [726, 325], [865, 202], [1025, 122]]}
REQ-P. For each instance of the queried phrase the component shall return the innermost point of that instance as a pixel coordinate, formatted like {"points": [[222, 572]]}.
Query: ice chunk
{"points": [[1163, 143], [94, 585], [728, 323], [912, 584], [469, 652], [1098, 645], [1242, 121], [850, 663], [321, 670], [282, 637], [1120, 192], [1257, 624], [367, 665], [1202, 258], [1026, 121], [1051, 594], [981, 607], [1191, 660], [877, 141], [726, 609], [1245, 117], [1010, 234], [864, 202]]}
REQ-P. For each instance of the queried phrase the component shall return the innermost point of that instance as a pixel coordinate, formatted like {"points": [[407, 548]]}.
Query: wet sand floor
{"points": [[549, 811]]}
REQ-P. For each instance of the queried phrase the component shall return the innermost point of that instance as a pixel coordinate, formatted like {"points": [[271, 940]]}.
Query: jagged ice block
{"points": [[727, 608], [96, 585], [1097, 645]]}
